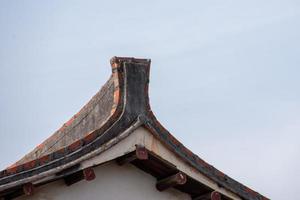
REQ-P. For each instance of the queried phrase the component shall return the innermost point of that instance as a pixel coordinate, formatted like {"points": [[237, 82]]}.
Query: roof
{"points": [[122, 102], [91, 117]]}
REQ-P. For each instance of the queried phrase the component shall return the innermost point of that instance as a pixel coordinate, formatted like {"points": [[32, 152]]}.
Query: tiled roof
{"points": [[120, 103], [91, 117]]}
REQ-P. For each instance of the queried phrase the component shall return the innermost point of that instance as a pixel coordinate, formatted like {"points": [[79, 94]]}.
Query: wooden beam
{"points": [[140, 153], [209, 196], [28, 189], [88, 174], [13, 194], [73, 178], [171, 181], [203, 197]]}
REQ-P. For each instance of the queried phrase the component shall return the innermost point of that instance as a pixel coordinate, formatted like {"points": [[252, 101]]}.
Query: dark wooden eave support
{"points": [[88, 174], [171, 181], [209, 196], [26, 189], [140, 153]]}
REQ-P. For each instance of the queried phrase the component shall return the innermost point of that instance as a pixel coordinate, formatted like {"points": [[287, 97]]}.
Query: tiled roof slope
{"points": [[122, 102], [91, 117]]}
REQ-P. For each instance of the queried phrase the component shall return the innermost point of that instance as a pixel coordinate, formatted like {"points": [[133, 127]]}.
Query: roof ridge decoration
{"points": [[126, 109]]}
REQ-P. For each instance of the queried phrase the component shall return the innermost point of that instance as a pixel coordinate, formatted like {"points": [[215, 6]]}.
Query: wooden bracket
{"points": [[209, 196], [140, 153], [28, 189], [171, 181], [88, 174]]}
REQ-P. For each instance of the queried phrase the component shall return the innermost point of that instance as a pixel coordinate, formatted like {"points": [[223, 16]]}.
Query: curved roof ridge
{"points": [[67, 133], [127, 103]]}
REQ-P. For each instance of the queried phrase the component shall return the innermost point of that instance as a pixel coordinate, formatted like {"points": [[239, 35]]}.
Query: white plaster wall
{"points": [[112, 182]]}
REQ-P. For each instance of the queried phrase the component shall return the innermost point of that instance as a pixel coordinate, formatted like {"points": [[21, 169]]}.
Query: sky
{"points": [[224, 76]]}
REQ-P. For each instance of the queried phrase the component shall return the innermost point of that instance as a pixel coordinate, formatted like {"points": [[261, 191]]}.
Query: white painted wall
{"points": [[112, 182]]}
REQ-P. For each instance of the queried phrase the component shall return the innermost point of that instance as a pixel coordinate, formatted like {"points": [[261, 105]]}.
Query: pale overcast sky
{"points": [[224, 77]]}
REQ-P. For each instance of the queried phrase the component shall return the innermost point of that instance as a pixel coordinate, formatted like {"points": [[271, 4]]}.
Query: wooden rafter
{"points": [[171, 181]]}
